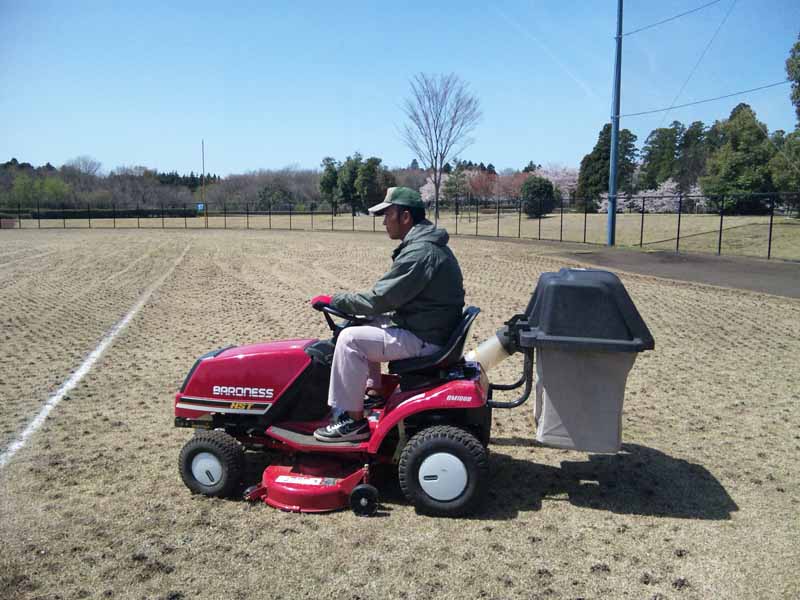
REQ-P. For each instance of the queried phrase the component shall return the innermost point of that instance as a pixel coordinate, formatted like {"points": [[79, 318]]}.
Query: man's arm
{"points": [[407, 278]]}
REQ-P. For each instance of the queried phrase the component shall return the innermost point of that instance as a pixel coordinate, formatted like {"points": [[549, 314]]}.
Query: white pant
{"points": [[358, 356]]}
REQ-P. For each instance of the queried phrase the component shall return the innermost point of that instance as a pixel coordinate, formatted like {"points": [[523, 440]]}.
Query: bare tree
{"points": [[297, 186], [441, 115], [85, 164]]}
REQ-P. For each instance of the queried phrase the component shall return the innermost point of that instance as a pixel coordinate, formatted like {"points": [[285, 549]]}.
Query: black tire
{"points": [[455, 446], [364, 500], [223, 455]]}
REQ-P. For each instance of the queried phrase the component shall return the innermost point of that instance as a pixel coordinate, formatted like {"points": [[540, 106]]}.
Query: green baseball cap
{"points": [[401, 196]]}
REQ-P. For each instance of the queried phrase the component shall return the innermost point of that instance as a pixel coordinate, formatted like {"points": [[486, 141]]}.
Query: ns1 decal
{"points": [[455, 398]]}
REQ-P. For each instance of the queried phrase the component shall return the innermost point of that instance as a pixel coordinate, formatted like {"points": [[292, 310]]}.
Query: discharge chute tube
{"points": [[492, 351]]}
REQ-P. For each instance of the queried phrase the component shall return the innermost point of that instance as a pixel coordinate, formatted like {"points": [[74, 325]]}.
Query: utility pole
{"points": [[203, 178], [612, 175]]}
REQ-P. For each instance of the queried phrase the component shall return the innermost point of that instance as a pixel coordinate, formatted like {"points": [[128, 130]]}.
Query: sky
{"points": [[268, 85]]}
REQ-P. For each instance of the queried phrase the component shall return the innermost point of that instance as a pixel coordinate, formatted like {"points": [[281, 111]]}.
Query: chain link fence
{"points": [[761, 225]]}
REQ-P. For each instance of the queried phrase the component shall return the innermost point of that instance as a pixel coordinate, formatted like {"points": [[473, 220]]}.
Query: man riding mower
{"points": [[580, 330]]}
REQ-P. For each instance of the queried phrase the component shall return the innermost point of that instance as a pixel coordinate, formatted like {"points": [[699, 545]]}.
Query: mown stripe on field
{"points": [[85, 367]]}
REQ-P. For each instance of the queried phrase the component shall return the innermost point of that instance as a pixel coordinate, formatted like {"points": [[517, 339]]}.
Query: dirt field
{"points": [[701, 503]]}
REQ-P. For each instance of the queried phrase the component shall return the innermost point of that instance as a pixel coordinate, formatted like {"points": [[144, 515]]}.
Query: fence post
{"points": [[353, 219], [680, 209], [771, 216], [137, 215], [719, 240], [205, 212], [63, 217], [456, 216], [312, 217], [561, 225], [89, 213], [290, 217], [38, 215], [641, 229], [498, 218], [185, 224], [113, 215], [332, 215], [585, 215], [224, 215], [540, 217], [19, 214], [476, 217], [519, 219], [162, 215], [269, 213], [373, 224]]}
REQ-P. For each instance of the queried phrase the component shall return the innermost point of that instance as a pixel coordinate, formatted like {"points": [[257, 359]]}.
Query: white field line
{"points": [[85, 367]]}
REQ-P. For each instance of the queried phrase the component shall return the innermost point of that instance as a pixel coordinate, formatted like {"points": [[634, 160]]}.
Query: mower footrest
{"points": [[307, 441]]}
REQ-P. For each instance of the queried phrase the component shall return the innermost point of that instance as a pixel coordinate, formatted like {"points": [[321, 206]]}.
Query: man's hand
{"points": [[318, 301]]}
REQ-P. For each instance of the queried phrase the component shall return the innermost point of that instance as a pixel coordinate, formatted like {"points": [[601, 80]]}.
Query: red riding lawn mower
{"points": [[436, 421]]}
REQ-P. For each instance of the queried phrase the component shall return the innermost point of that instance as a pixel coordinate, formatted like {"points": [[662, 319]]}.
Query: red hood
{"points": [[256, 372]]}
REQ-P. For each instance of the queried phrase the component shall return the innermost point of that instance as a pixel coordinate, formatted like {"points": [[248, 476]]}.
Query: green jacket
{"points": [[424, 287]]}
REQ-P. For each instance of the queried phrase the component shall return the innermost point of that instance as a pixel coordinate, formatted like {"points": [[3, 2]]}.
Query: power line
{"points": [[702, 55], [658, 110], [683, 14], [780, 150]]}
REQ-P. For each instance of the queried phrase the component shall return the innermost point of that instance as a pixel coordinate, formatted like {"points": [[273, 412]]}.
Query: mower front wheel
{"points": [[443, 471], [364, 500], [211, 464]]}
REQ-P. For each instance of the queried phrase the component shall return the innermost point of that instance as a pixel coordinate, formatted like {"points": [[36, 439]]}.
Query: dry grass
{"points": [[702, 502]]}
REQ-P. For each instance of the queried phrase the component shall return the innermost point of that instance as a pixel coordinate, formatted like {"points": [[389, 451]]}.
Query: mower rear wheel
{"points": [[443, 471], [211, 464]]}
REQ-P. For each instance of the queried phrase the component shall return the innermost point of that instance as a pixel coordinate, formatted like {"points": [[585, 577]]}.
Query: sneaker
{"points": [[344, 429], [373, 401]]}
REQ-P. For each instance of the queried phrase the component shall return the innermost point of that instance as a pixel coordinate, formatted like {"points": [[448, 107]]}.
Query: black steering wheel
{"points": [[350, 320]]}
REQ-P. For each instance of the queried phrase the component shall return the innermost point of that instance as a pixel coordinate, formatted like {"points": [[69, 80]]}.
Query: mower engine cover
{"points": [[241, 380]]}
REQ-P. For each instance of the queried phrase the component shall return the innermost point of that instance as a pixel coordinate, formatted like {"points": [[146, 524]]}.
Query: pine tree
{"points": [[740, 166], [594, 171]]}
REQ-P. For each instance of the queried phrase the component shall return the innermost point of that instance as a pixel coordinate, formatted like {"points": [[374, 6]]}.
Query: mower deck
{"points": [[313, 484]]}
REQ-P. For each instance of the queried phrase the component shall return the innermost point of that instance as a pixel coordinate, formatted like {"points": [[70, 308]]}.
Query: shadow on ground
{"points": [[637, 480]]}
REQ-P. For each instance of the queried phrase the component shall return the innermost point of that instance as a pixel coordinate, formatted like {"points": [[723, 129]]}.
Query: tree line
{"points": [[79, 183], [352, 184], [731, 159]]}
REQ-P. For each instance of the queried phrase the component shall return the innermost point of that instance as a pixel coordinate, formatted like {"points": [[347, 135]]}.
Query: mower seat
{"points": [[449, 355]]}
